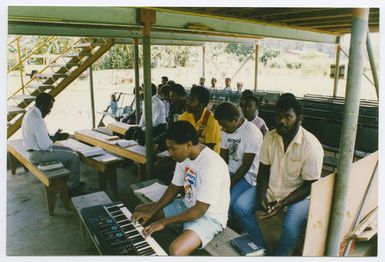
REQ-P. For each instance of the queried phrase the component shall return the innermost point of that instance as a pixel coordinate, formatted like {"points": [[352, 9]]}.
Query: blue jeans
{"points": [[237, 190], [293, 226]]}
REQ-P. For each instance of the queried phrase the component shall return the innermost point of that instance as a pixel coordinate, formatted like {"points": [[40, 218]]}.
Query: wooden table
{"points": [[104, 130], [119, 127], [136, 152], [106, 163]]}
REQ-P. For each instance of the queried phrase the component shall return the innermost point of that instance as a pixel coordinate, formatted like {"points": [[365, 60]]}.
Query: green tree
{"points": [[241, 51], [267, 55]]}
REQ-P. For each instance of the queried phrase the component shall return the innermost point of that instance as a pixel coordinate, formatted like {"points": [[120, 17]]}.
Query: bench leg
{"points": [[113, 179], [142, 172], [13, 162], [103, 176], [62, 189], [50, 197]]}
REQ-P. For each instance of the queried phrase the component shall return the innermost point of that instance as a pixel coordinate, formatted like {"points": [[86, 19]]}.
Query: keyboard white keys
{"points": [[150, 241]]}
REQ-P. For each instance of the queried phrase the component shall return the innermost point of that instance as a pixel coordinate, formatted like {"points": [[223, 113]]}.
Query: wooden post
{"points": [[92, 96], [203, 61], [256, 67], [372, 64], [137, 85], [20, 65], [147, 17], [337, 67]]}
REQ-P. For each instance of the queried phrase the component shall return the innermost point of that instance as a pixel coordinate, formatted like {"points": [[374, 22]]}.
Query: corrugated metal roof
{"points": [[330, 20]]}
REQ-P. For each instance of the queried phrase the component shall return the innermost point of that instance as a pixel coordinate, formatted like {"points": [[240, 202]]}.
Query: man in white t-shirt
{"points": [[240, 145], [204, 177], [290, 161]]}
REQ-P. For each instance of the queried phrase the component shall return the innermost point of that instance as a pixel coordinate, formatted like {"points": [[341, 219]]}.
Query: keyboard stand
{"points": [[97, 198]]}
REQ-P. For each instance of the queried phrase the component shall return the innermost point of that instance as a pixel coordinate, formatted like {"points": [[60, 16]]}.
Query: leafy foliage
{"points": [[267, 55], [118, 57], [241, 51]]}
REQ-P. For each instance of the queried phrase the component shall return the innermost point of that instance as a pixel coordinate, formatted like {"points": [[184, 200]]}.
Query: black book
{"points": [[246, 246]]}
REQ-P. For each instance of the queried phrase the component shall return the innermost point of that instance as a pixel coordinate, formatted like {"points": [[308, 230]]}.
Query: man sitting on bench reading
{"points": [[39, 144], [204, 176]]}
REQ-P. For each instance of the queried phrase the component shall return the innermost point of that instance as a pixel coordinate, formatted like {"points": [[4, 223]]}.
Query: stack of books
{"points": [[49, 165]]}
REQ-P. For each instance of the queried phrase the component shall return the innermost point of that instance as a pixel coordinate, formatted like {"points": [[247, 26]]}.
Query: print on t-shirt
{"points": [[233, 145], [189, 183]]}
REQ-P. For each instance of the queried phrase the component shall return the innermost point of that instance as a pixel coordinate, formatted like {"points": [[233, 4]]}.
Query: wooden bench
{"points": [[54, 181], [330, 160], [219, 246], [135, 152], [119, 127], [104, 130], [106, 164]]}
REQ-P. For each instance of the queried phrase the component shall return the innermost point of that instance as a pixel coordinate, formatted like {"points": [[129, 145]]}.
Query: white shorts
{"points": [[205, 227]]}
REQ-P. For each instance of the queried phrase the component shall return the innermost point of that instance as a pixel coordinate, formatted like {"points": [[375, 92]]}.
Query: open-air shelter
{"points": [[148, 26]]}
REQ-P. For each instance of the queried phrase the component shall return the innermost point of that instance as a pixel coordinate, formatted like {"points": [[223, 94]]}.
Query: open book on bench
{"points": [[153, 192], [49, 165], [126, 143], [94, 151]]}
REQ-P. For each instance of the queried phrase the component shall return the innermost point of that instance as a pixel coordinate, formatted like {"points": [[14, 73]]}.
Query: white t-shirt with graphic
{"points": [[246, 139], [207, 180]]}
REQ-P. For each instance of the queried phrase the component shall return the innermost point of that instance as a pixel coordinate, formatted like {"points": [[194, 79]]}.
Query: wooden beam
{"points": [[309, 18], [122, 22], [329, 21], [74, 15], [332, 26], [332, 13], [63, 29]]}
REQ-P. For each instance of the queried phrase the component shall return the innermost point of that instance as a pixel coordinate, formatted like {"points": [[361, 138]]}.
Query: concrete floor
{"points": [[31, 232]]}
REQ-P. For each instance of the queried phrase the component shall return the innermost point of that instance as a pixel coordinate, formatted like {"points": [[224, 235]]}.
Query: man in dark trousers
{"points": [[39, 144], [290, 161]]}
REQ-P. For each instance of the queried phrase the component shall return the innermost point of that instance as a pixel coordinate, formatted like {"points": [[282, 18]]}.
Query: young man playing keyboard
{"points": [[204, 177]]}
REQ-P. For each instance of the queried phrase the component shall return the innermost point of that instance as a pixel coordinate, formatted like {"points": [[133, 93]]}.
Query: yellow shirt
{"points": [[211, 132]]}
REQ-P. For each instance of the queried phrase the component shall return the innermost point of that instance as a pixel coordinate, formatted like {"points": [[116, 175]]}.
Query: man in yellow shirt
{"points": [[201, 118]]}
